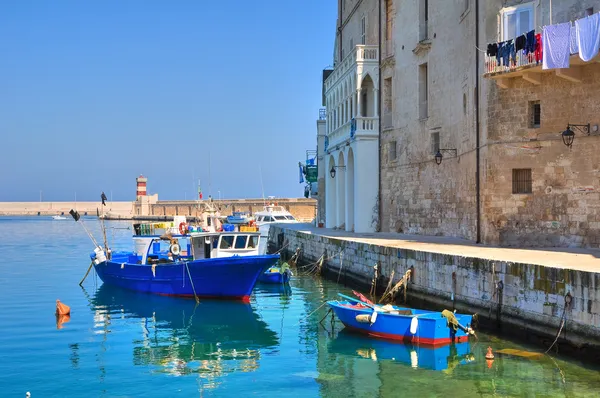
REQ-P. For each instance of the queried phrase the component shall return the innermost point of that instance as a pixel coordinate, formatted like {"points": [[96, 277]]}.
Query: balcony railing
{"points": [[360, 54], [365, 126]]}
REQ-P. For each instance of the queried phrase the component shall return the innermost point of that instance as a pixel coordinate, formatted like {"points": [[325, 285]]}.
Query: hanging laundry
{"points": [[573, 42], [499, 52], [492, 50], [588, 36], [538, 48], [508, 53], [530, 42], [520, 43], [556, 42]]}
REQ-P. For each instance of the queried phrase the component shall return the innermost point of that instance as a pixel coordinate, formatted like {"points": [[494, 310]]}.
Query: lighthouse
{"points": [[141, 186]]}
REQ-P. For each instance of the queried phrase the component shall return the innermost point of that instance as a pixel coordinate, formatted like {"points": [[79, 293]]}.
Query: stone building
{"points": [[351, 142], [428, 73], [503, 174], [537, 191]]}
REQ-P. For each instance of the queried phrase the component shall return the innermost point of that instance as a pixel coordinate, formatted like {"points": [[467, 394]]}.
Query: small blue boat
{"points": [[239, 217], [404, 324], [441, 358], [206, 264], [276, 274]]}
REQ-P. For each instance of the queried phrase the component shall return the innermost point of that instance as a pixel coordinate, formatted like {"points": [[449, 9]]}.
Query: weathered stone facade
{"points": [[563, 208], [419, 196], [429, 89]]}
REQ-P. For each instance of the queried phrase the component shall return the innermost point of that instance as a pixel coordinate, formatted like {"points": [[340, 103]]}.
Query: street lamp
{"points": [[439, 157], [332, 171], [568, 136]]}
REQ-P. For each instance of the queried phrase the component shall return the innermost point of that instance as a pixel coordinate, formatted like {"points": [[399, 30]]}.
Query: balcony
{"points": [[526, 67], [360, 55], [360, 127]]}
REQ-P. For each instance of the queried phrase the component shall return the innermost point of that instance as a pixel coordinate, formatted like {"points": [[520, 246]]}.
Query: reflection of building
{"points": [[352, 128]]}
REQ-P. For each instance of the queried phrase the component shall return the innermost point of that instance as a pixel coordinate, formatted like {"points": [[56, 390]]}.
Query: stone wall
{"points": [[302, 209], [124, 209], [417, 195], [530, 299]]}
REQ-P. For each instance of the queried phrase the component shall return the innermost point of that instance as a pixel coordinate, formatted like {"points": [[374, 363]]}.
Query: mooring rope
{"points": [[341, 265], [568, 299], [192, 282], [308, 316]]}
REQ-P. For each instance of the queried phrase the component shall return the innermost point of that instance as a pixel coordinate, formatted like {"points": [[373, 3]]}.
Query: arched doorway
{"points": [[367, 97], [330, 196], [350, 191], [341, 192]]}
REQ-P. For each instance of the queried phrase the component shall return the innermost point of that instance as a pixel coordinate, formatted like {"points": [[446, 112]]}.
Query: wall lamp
{"points": [[332, 171], [568, 136], [439, 156]]}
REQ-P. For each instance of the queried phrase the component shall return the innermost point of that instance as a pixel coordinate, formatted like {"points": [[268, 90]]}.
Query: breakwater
{"points": [[522, 298]]}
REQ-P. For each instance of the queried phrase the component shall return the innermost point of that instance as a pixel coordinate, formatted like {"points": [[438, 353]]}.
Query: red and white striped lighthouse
{"points": [[141, 185]]}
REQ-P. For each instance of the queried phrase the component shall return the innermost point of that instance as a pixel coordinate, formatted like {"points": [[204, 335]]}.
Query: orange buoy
{"points": [[489, 358], [62, 309]]}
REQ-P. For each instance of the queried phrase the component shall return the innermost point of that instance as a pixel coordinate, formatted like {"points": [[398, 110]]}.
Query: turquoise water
{"points": [[121, 344]]}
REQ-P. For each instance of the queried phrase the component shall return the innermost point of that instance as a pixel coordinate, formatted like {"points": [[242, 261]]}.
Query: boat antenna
{"points": [[209, 177], [76, 217], [262, 187]]}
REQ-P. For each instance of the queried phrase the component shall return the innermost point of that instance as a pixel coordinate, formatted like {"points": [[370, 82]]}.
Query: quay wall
{"points": [[521, 299], [124, 209], [301, 208]]}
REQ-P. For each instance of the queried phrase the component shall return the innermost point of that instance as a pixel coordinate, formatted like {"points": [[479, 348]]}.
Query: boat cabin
{"points": [[195, 246]]}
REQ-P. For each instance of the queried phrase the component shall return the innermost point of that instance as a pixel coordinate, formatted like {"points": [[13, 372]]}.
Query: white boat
{"points": [[271, 214], [59, 217]]}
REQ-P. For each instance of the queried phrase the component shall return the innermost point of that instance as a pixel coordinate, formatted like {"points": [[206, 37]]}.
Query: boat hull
{"points": [[226, 278], [432, 328], [274, 277]]}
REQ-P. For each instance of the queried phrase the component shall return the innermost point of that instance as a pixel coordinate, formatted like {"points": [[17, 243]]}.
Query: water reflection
{"points": [[179, 337], [444, 358]]}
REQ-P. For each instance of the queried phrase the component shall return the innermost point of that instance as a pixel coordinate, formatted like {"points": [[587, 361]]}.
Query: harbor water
{"points": [[123, 344]]}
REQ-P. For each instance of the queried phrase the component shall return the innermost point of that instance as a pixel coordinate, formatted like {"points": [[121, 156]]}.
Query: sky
{"points": [[95, 93]]}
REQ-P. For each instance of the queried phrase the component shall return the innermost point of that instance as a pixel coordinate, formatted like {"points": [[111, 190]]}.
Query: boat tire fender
{"points": [[182, 228], [175, 249]]}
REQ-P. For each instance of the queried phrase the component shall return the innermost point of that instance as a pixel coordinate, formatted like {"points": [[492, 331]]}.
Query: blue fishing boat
{"points": [[403, 324], [276, 274], [442, 358], [239, 217], [202, 264]]}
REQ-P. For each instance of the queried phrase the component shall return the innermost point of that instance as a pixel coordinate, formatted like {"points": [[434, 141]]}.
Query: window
{"points": [[226, 242], [423, 92], [521, 181], [387, 103], [392, 151], [363, 30], [279, 218], [435, 142], [253, 242], [423, 19], [535, 114], [517, 21], [240, 241]]}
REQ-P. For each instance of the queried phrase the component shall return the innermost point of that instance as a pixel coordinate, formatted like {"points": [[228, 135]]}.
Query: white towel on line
{"points": [[588, 36], [557, 45]]}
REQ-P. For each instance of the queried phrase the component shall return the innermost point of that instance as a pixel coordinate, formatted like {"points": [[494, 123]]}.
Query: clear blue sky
{"points": [[94, 93]]}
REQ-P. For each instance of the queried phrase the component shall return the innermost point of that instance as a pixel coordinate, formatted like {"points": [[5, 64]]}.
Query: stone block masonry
{"points": [[527, 297]]}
